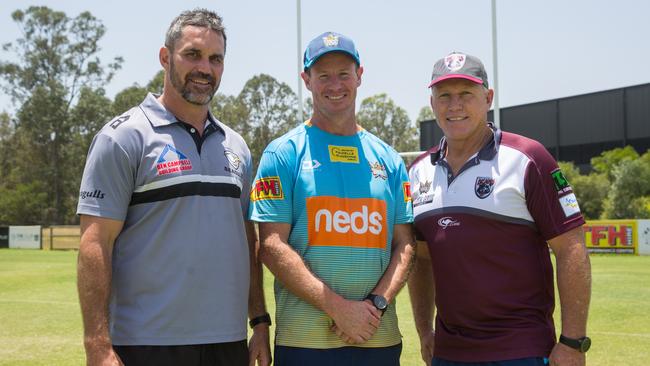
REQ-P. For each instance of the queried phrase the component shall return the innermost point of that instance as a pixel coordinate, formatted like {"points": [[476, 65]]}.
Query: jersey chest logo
{"points": [[172, 161], [346, 222], [483, 186]]}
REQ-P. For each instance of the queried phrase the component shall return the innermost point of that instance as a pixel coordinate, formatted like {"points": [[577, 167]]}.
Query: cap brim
{"points": [[455, 76], [340, 50]]}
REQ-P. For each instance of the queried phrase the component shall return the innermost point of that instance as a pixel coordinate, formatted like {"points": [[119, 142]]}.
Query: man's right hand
{"points": [[355, 322], [102, 354], [426, 347]]}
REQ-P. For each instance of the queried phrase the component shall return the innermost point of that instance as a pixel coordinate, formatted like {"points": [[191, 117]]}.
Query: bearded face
{"points": [[195, 87]]}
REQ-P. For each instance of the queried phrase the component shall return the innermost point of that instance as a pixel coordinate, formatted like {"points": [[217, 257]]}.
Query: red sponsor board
{"points": [[611, 236]]}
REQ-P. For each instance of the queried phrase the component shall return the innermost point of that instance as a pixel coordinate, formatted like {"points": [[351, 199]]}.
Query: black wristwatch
{"points": [[378, 301], [266, 318], [582, 345]]}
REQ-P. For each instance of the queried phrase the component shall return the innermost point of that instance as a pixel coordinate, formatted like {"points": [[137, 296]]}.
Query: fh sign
{"points": [[611, 236]]}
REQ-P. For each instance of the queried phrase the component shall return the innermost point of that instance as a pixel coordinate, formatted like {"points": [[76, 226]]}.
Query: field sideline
{"points": [[40, 322]]}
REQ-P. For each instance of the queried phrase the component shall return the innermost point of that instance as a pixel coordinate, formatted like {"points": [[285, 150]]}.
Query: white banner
{"points": [[644, 236], [25, 237]]}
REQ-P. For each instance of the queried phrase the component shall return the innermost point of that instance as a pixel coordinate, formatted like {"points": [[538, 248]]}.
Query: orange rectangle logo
{"points": [[267, 189], [346, 222]]}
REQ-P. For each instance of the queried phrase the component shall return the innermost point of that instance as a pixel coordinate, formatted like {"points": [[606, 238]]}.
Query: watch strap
{"points": [[265, 318], [577, 344]]}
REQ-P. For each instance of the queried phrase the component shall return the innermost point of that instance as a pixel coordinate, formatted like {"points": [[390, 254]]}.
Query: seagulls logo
{"points": [[234, 163], [233, 159]]}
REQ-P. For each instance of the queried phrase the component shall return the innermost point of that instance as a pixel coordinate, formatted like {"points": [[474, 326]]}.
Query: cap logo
{"points": [[455, 61], [331, 40]]}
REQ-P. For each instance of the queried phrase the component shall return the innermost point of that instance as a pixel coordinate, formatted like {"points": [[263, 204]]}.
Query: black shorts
{"points": [[213, 354], [344, 356]]}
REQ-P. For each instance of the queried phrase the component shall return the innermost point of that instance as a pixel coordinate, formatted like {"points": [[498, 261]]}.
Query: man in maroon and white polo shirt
{"points": [[487, 206]]}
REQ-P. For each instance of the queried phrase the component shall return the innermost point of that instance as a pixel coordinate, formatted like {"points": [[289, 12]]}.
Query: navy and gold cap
{"points": [[329, 42]]}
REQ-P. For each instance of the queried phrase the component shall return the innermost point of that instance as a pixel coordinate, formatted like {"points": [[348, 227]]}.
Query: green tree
{"points": [[127, 99], [590, 190], [6, 151], [23, 204], [54, 60], [156, 84], [426, 114], [382, 117], [608, 160], [569, 170], [231, 111], [629, 194], [134, 95], [271, 111], [307, 108]]}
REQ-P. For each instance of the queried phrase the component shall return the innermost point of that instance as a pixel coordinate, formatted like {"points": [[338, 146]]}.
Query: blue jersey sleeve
{"points": [[271, 197], [402, 193]]}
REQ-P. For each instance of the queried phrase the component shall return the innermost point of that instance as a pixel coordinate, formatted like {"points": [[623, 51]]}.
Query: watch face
{"points": [[585, 344], [380, 302]]}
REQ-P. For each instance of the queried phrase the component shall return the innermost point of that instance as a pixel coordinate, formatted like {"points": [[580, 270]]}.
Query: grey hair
{"points": [[198, 17]]}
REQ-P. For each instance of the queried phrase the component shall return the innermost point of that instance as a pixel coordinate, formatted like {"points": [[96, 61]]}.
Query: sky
{"points": [[546, 49]]}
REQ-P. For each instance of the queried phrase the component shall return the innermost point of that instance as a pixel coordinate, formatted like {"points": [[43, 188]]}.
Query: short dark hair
{"points": [[198, 17]]}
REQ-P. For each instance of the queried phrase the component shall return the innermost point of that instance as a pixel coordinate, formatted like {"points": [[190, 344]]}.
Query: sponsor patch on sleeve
{"points": [[406, 188], [343, 154], [561, 183], [569, 204], [267, 189]]}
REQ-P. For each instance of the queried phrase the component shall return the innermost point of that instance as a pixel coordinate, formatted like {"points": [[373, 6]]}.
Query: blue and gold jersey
{"points": [[342, 196]]}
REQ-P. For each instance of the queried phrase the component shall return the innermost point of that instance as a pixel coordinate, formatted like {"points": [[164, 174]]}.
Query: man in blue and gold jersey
{"points": [[334, 212]]}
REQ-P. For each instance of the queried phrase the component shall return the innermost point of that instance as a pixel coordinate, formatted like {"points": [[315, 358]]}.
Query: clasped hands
{"points": [[356, 322]]}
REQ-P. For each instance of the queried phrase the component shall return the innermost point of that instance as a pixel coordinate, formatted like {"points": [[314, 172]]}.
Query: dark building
{"points": [[575, 128]]}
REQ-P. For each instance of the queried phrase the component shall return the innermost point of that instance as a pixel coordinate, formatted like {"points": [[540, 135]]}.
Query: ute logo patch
{"points": [[172, 161], [267, 189], [483, 186], [561, 183]]}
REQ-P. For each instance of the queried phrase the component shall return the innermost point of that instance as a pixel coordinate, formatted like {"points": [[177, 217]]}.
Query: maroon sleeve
{"points": [[544, 196]]}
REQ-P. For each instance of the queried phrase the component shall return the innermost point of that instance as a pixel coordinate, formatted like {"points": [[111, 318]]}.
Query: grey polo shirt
{"points": [[180, 264]]}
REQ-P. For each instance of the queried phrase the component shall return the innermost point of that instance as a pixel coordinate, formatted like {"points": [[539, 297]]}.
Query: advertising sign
{"points": [[4, 236], [27, 237], [611, 236], [644, 237]]}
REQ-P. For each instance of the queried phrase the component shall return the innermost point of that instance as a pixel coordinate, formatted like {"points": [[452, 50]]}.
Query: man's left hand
{"points": [[259, 348], [562, 355]]}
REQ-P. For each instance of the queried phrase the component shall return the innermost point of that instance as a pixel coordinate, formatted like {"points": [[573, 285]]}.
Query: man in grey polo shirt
{"points": [[167, 265]]}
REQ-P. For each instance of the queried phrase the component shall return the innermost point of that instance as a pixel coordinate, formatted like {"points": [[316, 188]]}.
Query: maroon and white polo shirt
{"points": [[486, 230]]}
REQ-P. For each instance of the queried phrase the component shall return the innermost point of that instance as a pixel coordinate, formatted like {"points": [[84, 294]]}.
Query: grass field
{"points": [[40, 322]]}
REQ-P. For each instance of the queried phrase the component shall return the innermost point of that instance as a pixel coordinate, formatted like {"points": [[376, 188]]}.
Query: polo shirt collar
{"points": [[487, 152], [159, 116]]}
